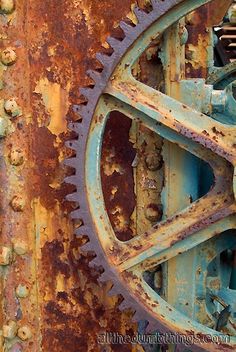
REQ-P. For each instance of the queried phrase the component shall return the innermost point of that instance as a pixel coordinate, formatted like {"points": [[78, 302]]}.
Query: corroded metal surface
{"points": [[50, 296], [59, 304], [192, 130]]}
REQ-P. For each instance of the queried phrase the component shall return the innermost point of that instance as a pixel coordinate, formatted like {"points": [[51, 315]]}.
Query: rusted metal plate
{"points": [[50, 296], [62, 306]]}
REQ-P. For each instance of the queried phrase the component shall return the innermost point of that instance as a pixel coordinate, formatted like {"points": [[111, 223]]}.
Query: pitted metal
{"points": [[107, 82]]}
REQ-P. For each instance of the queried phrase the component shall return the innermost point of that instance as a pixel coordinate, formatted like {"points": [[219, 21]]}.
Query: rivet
{"points": [[20, 247], [24, 333], [190, 54], [7, 6], [8, 56], [153, 161], [153, 212], [17, 203], [5, 255], [22, 291], [16, 157], [11, 107], [9, 330]]}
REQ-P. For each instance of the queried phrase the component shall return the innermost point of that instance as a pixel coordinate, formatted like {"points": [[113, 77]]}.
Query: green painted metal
{"points": [[190, 123]]}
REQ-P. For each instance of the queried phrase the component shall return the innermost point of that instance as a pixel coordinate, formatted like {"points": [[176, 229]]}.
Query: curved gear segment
{"points": [[174, 9]]}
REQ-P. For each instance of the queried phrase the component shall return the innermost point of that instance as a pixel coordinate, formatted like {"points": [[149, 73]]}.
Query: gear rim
{"points": [[160, 8]]}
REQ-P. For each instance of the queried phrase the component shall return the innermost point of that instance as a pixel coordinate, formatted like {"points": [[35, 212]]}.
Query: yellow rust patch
{"points": [[55, 99]]}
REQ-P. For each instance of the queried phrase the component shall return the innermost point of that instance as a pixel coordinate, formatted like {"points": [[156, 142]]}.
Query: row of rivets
{"points": [[153, 162], [16, 157], [6, 253], [11, 330]]}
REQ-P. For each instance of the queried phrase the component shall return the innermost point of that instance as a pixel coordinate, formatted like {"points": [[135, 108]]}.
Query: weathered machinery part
{"points": [[65, 308], [221, 77], [124, 263]]}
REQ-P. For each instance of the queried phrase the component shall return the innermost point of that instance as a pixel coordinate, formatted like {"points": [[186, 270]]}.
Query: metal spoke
{"points": [[216, 205], [182, 246], [170, 232], [177, 116]]}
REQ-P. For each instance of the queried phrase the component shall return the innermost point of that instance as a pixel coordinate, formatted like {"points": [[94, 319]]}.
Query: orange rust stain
{"points": [[63, 38]]}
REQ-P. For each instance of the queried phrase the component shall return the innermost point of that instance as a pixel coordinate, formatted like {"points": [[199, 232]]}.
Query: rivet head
{"points": [[7, 6], [24, 333], [16, 157], [22, 291], [17, 203], [9, 330], [20, 247], [5, 255], [11, 107], [153, 212], [153, 161], [8, 56]]}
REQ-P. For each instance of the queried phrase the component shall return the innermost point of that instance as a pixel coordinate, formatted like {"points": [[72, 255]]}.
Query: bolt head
{"points": [[22, 291], [9, 330], [218, 100], [16, 157], [20, 248], [153, 212], [5, 255], [8, 56], [17, 203], [11, 107], [24, 333], [189, 54], [7, 6], [153, 161]]}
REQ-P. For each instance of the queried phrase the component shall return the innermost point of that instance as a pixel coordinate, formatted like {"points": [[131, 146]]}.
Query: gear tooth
{"points": [[152, 326], [73, 197], [78, 213], [113, 42], [95, 262], [105, 60], [71, 180], [75, 214], [114, 291], [79, 108], [87, 93], [74, 126], [96, 76], [72, 162], [124, 305], [105, 277], [88, 247], [140, 14], [73, 144], [81, 231], [155, 3], [126, 28]]}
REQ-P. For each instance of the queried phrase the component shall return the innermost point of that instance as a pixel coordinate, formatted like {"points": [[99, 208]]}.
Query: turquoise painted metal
{"points": [[195, 240]]}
